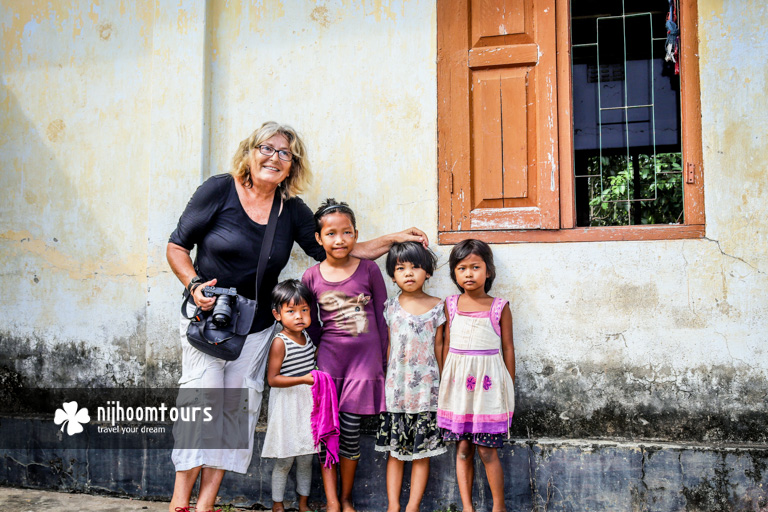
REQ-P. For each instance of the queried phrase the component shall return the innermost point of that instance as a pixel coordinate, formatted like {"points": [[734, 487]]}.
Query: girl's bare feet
{"points": [[277, 506], [304, 504], [346, 506]]}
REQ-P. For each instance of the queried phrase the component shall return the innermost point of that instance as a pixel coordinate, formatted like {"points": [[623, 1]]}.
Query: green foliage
{"points": [[614, 200]]}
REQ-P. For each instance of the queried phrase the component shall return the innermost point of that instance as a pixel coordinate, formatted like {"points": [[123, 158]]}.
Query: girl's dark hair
{"points": [[472, 246], [413, 253], [290, 291], [330, 205]]}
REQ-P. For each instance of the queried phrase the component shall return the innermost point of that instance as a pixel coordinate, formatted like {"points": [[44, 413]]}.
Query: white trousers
{"points": [[200, 371]]}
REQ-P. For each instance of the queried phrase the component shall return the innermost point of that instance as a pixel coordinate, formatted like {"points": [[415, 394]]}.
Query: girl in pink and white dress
{"points": [[477, 392]]}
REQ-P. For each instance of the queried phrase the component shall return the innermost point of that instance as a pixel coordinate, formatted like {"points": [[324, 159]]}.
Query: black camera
{"points": [[222, 310]]}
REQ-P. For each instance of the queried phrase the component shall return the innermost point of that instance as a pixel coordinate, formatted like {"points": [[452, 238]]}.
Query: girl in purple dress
{"points": [[352, 340]]}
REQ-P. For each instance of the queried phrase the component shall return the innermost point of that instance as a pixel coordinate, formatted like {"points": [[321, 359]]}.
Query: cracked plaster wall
{"points": [[113, 112]]}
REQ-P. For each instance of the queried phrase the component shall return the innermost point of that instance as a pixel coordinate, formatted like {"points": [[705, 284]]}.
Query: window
{"points": [[512, 90]]}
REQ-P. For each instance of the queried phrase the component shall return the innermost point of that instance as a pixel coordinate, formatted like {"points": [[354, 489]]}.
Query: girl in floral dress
{"points": [[477, 393], [408, 429]]}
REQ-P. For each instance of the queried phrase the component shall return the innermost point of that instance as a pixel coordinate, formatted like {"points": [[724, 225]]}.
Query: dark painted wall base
{"points": [[543, 474]]}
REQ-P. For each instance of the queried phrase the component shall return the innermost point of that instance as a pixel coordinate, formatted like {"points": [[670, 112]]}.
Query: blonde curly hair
{"points": [[300, 175]]}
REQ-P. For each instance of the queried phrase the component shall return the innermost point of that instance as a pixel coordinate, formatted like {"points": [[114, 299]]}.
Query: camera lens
{"points": [[222, 313]]}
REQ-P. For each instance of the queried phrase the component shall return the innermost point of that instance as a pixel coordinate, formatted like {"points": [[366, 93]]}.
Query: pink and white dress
{"points": [[477, 394]]}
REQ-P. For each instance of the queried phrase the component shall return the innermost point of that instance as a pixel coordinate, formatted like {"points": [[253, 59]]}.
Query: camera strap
{"points": [[197, 315], [266, 244]]}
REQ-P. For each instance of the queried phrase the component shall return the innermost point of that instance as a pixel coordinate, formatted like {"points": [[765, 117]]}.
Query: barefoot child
{"points": [[408, 430], [352, 341], [477, 395], [291, 359]]}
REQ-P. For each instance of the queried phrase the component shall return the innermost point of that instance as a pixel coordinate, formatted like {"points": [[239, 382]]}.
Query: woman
{"points": [[226, 219]]}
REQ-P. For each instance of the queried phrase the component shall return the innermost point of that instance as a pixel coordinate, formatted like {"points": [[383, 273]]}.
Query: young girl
{"points": [[408, 430], [477, 395], [291, 359], [352, 341]]}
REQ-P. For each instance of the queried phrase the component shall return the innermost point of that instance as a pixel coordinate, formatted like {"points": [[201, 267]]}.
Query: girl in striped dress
{"points": [[291, 359]]}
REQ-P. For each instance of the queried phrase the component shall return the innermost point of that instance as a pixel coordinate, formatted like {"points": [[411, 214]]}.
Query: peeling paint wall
{"points": [[113, 112], [75, 98]]}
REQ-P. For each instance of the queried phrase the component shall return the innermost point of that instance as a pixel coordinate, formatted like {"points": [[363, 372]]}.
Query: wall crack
{"points": [[719, 247]]}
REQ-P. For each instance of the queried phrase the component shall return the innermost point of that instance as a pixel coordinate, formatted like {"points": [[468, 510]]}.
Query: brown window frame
{"points": [[454, 187]]}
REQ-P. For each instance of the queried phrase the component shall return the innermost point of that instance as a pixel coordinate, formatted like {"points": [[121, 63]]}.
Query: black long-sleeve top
{"points": [[228, 241]]}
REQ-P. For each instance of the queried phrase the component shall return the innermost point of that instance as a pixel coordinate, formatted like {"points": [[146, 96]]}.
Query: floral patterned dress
{"points": [[477, 395], [408, 430]]}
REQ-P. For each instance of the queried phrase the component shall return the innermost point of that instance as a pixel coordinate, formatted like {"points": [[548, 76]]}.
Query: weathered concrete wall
{"points": [[102, 137], [540, 475], [112, 112], [662, 339], [76, 111]]}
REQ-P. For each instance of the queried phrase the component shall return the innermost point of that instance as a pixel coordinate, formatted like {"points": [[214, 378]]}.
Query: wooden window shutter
{"points": [[497, 115]]}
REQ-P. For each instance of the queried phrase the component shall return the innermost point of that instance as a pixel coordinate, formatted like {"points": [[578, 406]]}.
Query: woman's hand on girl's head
{"points": [[412, 235], [203, 302], [372, 249]]}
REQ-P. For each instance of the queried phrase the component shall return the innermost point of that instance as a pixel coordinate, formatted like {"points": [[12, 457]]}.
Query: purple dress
{"points": [[352, 342]]}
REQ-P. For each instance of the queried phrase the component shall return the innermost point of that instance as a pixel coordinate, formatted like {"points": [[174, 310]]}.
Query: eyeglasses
{"points": [[285, 156]]}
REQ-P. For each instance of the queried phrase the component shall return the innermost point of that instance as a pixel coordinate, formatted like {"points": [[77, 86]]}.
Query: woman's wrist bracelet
{"points": [[195, 280]]}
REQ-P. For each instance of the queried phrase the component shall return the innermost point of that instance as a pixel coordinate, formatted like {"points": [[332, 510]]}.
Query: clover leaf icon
{"points": [[71, 417]]}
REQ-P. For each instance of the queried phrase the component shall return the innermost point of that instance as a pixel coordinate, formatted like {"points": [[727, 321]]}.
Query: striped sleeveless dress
{"points": [[289, 428]]}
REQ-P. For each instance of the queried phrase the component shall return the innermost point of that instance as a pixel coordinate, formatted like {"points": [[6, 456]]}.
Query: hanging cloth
{"points": [[672, 44], [325, 416]]}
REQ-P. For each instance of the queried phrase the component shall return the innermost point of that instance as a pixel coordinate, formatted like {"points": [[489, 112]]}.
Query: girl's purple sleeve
{"points": [[379, 292], [314, 330]]}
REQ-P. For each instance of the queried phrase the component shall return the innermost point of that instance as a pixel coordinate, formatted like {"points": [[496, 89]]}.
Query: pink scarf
{"points": [[325, 416]]}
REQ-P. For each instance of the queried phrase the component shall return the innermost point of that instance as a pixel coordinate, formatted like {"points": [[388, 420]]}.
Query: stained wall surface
{"points": [[111, 113]]}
